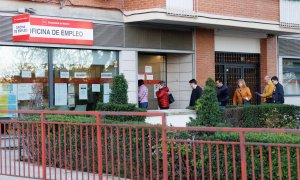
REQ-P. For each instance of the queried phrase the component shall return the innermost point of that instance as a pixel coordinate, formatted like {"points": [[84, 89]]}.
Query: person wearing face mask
{"points": [[242, 94]]}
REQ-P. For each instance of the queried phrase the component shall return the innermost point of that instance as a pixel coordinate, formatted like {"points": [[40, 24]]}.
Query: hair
{"points": [[140, 82], [194, 81], [274, 78], [243, 82], [220, 80], [162, 83]]}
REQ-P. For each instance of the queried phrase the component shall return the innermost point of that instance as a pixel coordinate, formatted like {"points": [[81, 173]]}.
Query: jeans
{"points": [[143, 105]]}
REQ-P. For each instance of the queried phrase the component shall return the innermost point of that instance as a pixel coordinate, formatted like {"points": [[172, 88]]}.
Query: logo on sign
{"points": [[32, 29]]}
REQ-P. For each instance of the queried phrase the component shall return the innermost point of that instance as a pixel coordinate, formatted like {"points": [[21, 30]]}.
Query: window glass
{"points": [[291, 76], [23, 78], [82, 77]]}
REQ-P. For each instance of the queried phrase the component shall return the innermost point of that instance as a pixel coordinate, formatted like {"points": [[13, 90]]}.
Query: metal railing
{"points": [[290, 13], [44, 145], [188, 8]]}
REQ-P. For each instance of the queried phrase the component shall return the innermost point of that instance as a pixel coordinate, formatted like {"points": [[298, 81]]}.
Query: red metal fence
{"points": [[44, 145]]}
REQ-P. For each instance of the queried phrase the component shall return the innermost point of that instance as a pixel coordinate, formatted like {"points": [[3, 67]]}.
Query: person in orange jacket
{"points": [[242, 94]]}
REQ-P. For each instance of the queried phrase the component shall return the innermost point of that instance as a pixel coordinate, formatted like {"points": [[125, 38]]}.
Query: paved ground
{"points": [[10, 164]]}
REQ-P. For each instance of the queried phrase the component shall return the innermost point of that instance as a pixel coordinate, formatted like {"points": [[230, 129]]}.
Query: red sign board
{"points": [[58, 31]]}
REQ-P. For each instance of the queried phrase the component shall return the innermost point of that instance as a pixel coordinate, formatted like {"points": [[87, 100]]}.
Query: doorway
{"points": [[152, 69], [234, 66]]}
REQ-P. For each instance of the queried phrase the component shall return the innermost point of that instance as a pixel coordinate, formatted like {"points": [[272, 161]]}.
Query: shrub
{"points": [[264, 116], [207, 107], [118, 94], [121, 108]]}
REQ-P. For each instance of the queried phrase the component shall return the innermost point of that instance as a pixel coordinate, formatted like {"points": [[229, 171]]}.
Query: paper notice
{"points": [[39, 73], [26, 74], [106, 89], [106, 75], [80, 75], [25, 91], [148, 69], [95, 87], [61, 94], [105, 98], [83, 92], [149, 77], [71, 100], [64, 74], [71, 88], [141, 76]]}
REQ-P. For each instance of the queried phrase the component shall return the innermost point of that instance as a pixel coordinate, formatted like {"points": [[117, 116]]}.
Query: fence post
{"points": [[164, 148], [243, 155], [43, 146], [99, 142]]}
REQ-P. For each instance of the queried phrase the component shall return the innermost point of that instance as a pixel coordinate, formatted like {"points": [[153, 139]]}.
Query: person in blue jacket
{"points": [[278, 95]]}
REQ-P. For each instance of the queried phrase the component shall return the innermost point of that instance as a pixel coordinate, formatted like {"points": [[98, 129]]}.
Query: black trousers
{"points": [[269, 100]]}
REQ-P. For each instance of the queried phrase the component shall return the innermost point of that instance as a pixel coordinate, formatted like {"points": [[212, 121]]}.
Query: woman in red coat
{"points": [[163, 96]]}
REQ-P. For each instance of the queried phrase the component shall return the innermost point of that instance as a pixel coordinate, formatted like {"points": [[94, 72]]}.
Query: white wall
{"points": [[179, 72], [237, 44], [128, 66]]}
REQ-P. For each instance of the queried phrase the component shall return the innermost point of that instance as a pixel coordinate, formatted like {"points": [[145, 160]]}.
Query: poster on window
{"points": [[141, 76], [71, 100], [8, 99], [80, 75], [26, 74], [83, 95], [71, 88], [64, 74], [148, 69], [149, 77], [40, 73], [106, 89], [95, 87], [25, 91], [61, 94]]}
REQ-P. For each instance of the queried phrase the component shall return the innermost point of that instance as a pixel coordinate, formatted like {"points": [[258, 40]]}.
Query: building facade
{"points": [[159, 40]]}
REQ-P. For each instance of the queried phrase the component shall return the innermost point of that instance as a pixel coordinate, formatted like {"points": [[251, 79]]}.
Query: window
{"points": [[23, 78], [291, 76], [82, 77]]}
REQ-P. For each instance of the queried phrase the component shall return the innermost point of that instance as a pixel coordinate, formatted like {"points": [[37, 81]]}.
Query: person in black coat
{"points": [[196, 92], [278, 95], [222, 93]]}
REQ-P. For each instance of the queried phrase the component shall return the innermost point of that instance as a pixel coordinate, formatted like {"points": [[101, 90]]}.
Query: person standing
{"points": [[269, 89], [163, 96], [196, 92], [242, 94], [143, 94], [278, 95], [222, 93]]}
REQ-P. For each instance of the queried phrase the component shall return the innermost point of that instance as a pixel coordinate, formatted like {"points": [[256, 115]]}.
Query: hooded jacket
{"points": [[163, 98]]}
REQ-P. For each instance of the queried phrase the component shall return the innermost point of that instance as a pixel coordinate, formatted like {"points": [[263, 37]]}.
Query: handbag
{"points": [[245, 101], [171, 98]]}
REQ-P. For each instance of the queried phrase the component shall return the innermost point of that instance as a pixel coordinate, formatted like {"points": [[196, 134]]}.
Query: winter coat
{"points": [[163, 98]]}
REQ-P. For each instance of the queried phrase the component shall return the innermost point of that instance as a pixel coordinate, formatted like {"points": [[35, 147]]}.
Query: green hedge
{"points": [[121, 108], [266, 115], [203, 160]]}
